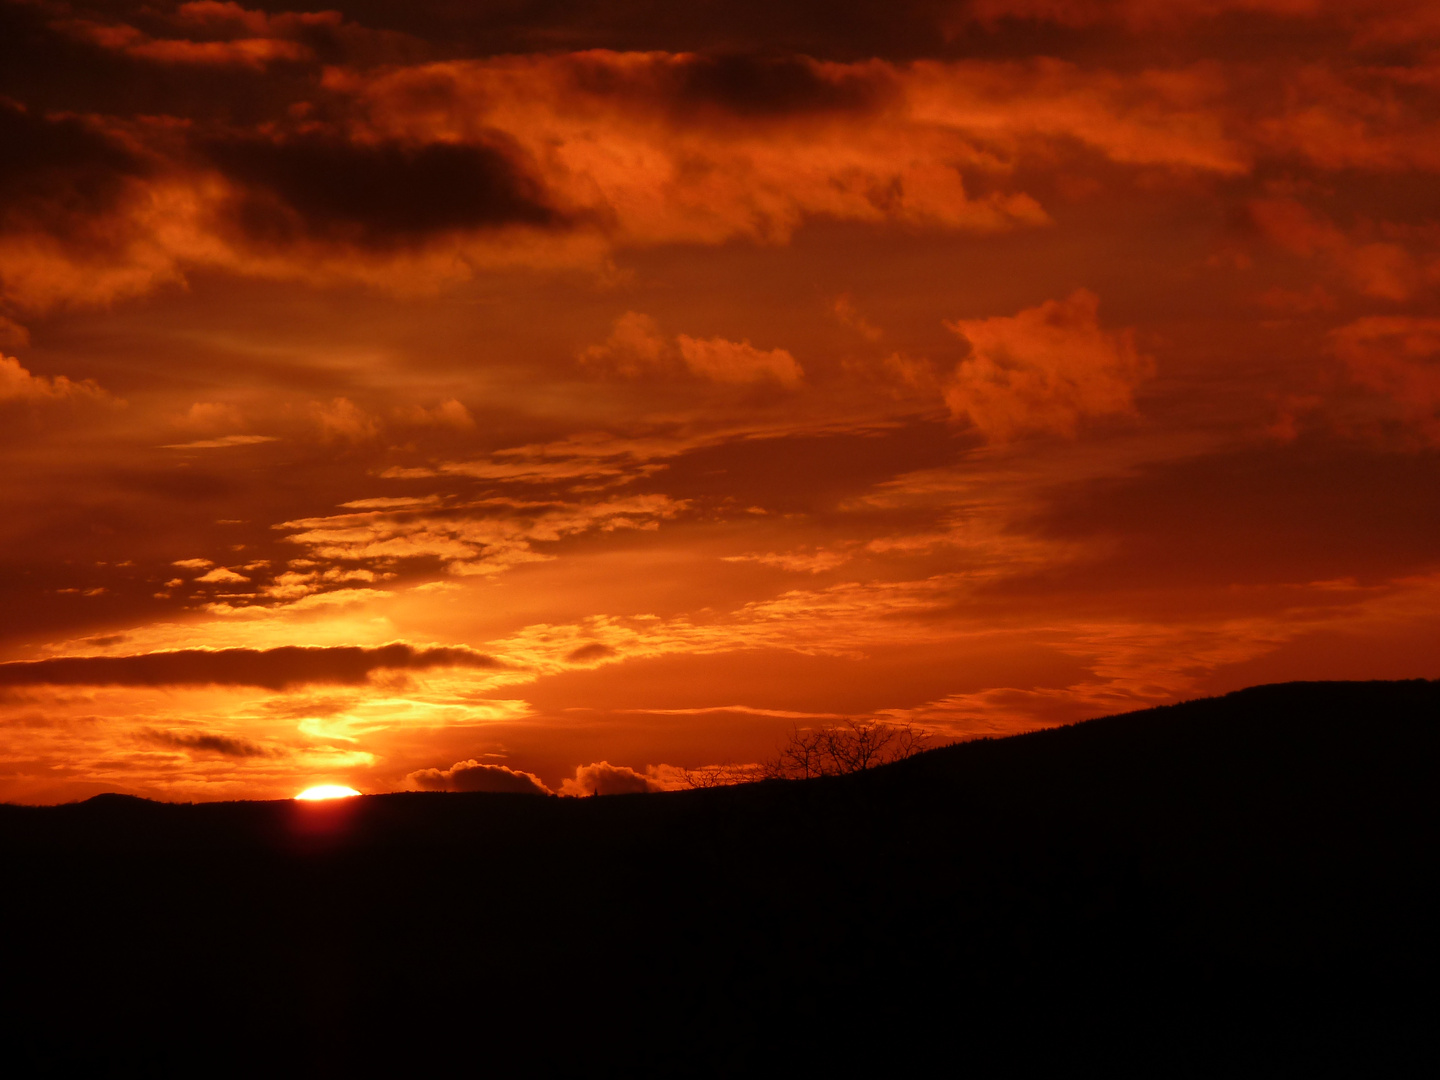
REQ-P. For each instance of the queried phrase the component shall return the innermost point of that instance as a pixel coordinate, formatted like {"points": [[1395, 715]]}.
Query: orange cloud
{"points": [[636, 347], [18, 385], [738, 361], [1382, 269], [1045, 370], [343, 419], [481, 538], [1398, 356]]}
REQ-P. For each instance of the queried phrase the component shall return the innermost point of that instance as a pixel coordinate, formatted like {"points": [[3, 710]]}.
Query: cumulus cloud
{"points": [[602, 778], [472, 775], [18, 385], [636, 347], [738, 361], [1045, 369], [222, 576], [273, 669]]}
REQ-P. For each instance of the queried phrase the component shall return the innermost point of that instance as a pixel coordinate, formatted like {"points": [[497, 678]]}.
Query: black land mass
{"points": [[1240, 884]]}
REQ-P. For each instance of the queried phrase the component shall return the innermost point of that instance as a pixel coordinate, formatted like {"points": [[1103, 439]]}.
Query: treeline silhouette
{"points": [[1245, 883], [849, 746]]}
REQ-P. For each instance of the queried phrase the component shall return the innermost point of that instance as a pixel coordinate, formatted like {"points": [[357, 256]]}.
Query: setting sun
{"points": [[327, 791]]}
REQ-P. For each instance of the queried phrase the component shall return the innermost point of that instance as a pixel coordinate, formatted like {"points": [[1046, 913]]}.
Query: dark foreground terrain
{"points": [[1239, 884]]}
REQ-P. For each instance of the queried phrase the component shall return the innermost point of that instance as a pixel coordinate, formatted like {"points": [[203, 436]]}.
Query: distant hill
{"points": [[1234, 884]]}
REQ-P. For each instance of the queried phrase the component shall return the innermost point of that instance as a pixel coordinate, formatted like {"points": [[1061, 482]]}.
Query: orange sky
{"points": [[415, 396]]}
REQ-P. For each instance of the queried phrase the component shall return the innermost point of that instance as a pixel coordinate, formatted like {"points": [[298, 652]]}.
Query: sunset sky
{"points": [[520, 396]]}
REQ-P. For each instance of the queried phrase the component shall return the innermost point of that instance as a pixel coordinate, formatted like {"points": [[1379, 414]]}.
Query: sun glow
{"points": [[327, 791]]}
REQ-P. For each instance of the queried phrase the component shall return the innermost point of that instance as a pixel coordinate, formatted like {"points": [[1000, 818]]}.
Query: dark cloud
{"points": [[750, 87], [473, 776], [273, 669], [224, 745], [56, 175], [378, 195], [602, 778], [594, 651], [866, 28]]}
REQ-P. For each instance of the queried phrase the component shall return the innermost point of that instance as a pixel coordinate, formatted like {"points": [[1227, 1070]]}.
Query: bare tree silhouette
{"points": [[850, 746]]}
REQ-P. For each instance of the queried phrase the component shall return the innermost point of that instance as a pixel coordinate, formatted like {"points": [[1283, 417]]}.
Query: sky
{"points": [[566, 396]]}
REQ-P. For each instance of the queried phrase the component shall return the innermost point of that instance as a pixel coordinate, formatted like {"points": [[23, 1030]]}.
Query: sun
{"points": [[327, 791]]}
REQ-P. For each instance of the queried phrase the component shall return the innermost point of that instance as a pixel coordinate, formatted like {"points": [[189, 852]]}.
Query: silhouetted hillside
{"points": [[1238, 883]]}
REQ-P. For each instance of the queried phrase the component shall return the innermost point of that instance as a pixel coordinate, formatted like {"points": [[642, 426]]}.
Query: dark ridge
{"points": [[1245, 882]]}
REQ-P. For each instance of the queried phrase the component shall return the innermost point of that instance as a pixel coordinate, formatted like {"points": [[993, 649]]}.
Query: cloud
{"points": [[1382, 269], [418, 174], [225, 745], [273, 669], [748, 87], [1399, 357], [223, 576], [635, 347], [738, 362], [1139, 15], [813, 562], [596, 650], [602, 778], [849, 315], [222, 443], [450, 413], [1044, 370], [12, 334], [485, 537], [472, 775], [59, 174], [18, 385], [249, 52], [375, 194], [343, 419]]}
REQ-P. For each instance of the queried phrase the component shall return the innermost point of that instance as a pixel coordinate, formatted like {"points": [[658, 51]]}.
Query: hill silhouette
{"points": [[1245, 882]]}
